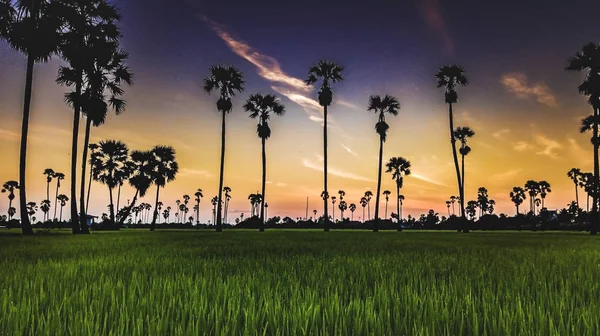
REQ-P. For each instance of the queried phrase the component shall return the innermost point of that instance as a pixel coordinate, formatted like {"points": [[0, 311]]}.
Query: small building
{"points": [[90, 219]]}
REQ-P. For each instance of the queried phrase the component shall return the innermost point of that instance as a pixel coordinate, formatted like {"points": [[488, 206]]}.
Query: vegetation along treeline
{"points": [[85, 35]]}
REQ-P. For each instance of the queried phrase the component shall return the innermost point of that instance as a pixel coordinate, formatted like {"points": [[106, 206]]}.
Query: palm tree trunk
{"points": [[386, 204], [325, 213], [398, 208], [333, 212], [118, 198], [455, 157], [595, 220], [219, 205], [47, 198], [264, 183], [369, 210], [9, 206], [517, 210], [89, 189], [153, 224], [25, 223], [129, 208], [56, 199], [61, 208], [363, 214], [198, 213], [462, 176], [86, 141], [576, 195], [76, 115], [377, 197], [111, 208]]}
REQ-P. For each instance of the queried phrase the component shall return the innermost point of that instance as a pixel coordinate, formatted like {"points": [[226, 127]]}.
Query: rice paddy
{"points": [[279, 282]]}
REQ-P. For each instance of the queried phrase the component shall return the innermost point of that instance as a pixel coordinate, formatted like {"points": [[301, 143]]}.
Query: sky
{"points": [[523, 106]]}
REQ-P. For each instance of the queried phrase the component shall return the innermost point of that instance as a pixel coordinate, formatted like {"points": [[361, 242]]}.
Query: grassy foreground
{"points": [[300, 283]]}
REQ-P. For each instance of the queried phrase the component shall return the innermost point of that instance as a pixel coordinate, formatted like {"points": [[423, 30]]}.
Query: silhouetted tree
{"points": [[387, 194], [462, 134], [574, 174], [450, 77], [164, 170], [517, 196], [533, 188], [368, 196], [214, 201], [343, 206], [141, 179], [227, 191], [31, 210], [261, 106], [63, 201], [363, 203], [227, 81], [59, 177], [113, 158], [333, 198], [352, 208], [32, 28], [328, 73], [94, 157], [10, 187], [198, 196], [49, 173], [398, 166], [471, 209], [544, 188]]}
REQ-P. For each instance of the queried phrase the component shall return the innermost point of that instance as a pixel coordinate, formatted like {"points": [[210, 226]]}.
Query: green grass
{"points": [[299, 283]]}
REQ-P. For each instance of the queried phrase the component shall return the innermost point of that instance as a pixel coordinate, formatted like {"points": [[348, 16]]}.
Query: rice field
{"points": [[137, 282]]}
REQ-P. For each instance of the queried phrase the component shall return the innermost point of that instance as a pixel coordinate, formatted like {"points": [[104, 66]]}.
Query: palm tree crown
{"points": [[450, 77], [328, 72], [387, 104]]}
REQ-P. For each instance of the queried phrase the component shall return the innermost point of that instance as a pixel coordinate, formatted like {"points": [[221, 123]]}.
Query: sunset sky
{"points": [[523, 106]]}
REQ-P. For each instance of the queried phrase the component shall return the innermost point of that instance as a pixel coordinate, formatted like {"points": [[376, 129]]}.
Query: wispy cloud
{"points": [[549, 146], [505, 175], [347, 104], [349, 150], [468, 119], [522, 146], [517, 83], [334, 171], [426, 179], [499, 135], [584, 157], [432, 15], [195, 172]]}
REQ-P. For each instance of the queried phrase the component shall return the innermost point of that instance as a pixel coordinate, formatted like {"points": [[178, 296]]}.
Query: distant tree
{"points": [[10, 187], [315, 213], [533, 188], [328, 73], [227, 191], [398, 166], [363, 203], [31, 210], [452, 201], [49, 173], [227, 81], [368, 196], [448, 206], [343, 206], [483, 200], [450, 77], [63, 201], [471, 209], [261, 107], [517, 196], [575, 174], [214, 201], [198, 196], [333, 198], [462, 134], [544, 188], [352, 208], [113, 159], [141, 179], [59, 177], [387, 194], [45, 207], [164, 170]]}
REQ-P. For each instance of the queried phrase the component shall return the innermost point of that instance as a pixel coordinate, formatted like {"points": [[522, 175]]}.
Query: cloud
{"points": [[281, 184], [505, 175], [584, 157], [549, 146], [349, 150], [347, 104], [195, 172], [432, 15], [469, 120], [517, 83], [522, 146], [334, 171], [426, 179], [268, 67], [498, 135]]}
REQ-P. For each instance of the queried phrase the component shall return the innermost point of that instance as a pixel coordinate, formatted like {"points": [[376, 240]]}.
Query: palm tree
{"points": [[387, 194], [537, 203], [368, 196], [472, 209], [574, 174], [398, 166], [32, 28], [45, 207], [167, 214], [227, 191], [333, 198], [252, 199], [588, 59], [586, 181], [342, 194], [261, 106], [227, 81], [113, 159], [141, 180], [450, 77], [328, 73], [448, 206], [544, 188], [315, 214], [352, 208], [159, 207], [198, 194], [164, 170], [462, 134], [31, 208], [59, 177], [214, 201], [49, 172], [343, 206], [382, 106], [63, 201], [182, 206], [453, 200], [517, 196], [9, 187], [121, 176], [532, 187], [90, 29], [363, 203], [93, 163]]}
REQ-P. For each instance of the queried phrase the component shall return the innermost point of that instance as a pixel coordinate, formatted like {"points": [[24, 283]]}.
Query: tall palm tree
{"points": [[533, 188], [45, 207], [352, 208], [387, 194], [517, 196], [32, 28], [261, 106], [114, 156], [328, 73], [227, 80], [59, 177], [164, 170], [227, 191], [382, 106], [343, 206], [198, 194], [462, 134], [398, 166], [368, 196], [94, 157], [63, 201], [588, 60], [141, 180], [544, 188], [450, 77], [49, 172], [574, 174], [90, 25], [452, 201], [214, 201], [10, 187], [363, 203]]}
